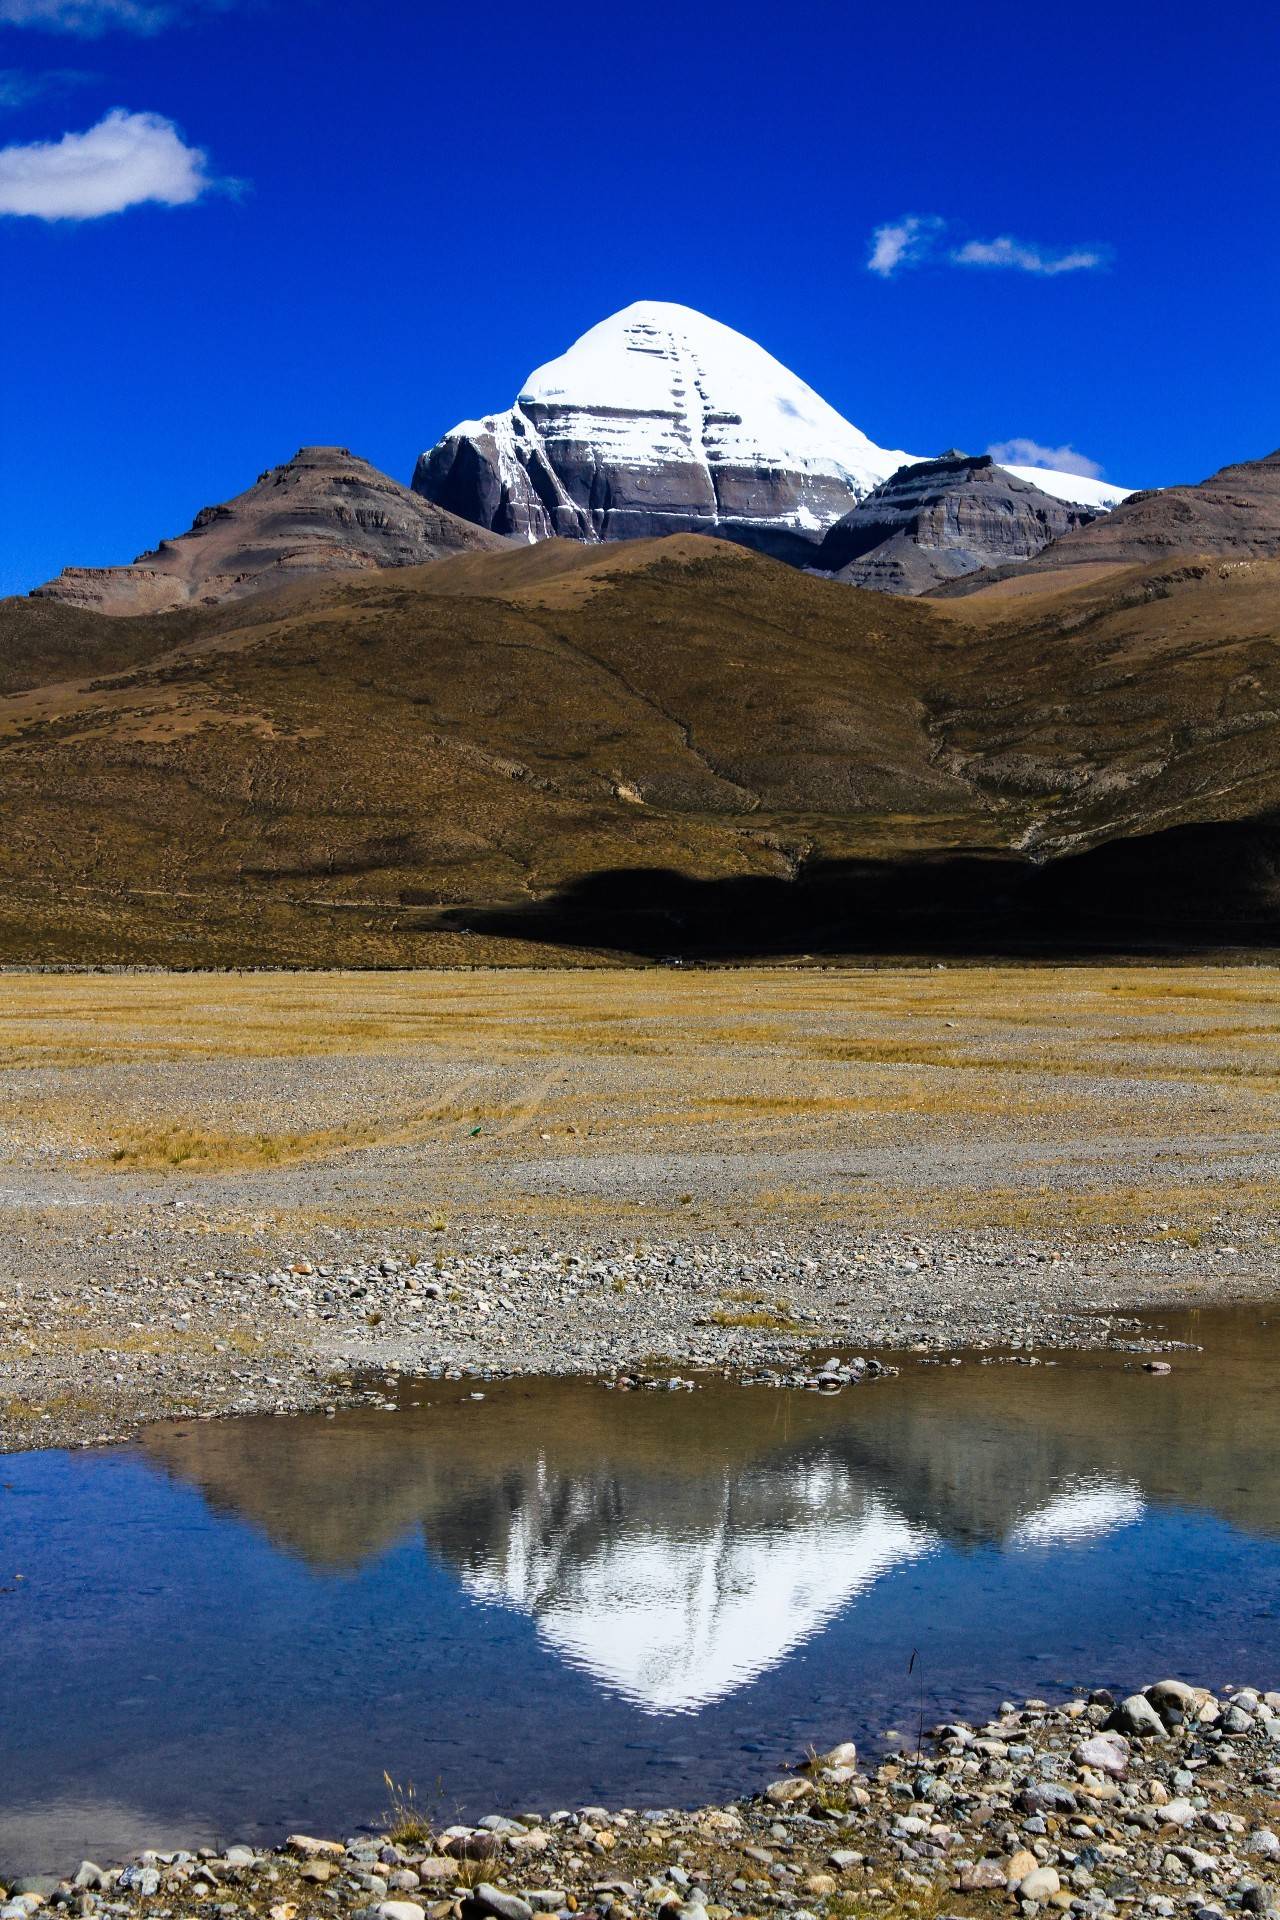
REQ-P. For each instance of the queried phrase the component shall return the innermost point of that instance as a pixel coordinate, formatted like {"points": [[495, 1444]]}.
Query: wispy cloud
{"points": [[128, 158], [1020, 257], [918, 239], [902, 243], [18, 89], [90, 18], [1030, 453]]}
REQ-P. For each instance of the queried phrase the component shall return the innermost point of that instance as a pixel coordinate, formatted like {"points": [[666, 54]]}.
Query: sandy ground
{"points": [[203, 1176]]}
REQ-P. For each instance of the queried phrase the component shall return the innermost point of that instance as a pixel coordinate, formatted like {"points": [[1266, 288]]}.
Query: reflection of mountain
{"points": [[676, 1616], [674, 1550], [1085, 1511]]}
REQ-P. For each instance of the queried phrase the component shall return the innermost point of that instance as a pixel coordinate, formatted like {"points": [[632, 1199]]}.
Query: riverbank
{"points": [[1164, 1802], [97, 1360]]}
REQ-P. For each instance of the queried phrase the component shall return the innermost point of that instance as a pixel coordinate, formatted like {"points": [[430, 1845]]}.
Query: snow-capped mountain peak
{"points": [[662, 420], [728, 400]]}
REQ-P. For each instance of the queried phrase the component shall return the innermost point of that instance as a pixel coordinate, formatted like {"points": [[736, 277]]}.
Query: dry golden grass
{"points": [[468, 1080]]}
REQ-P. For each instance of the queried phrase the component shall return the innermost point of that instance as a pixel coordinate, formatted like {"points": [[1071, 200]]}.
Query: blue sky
{"points": [[375, 217]]}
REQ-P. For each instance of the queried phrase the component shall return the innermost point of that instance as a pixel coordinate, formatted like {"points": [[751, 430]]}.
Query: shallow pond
{"points": [[558, 1593]]}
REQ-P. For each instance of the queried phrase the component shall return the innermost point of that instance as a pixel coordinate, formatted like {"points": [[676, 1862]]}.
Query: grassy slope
{"points": [[310, 777]]}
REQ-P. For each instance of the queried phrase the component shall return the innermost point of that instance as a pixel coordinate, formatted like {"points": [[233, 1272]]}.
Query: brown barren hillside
{"points": [[324, 512], [678, 745]]}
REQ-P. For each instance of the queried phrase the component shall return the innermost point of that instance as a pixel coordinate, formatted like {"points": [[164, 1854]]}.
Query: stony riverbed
{"points": [[1163, 1803]]}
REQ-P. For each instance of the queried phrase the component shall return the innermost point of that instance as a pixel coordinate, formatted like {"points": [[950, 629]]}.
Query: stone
{"points": [[302, 1843], [488, 1899], [785, 1793], [983, 1875], [144, 1881], [1047, 1796], [1105, 1753], [435, 1868], [1041, 1884], [1136, 1717], [1177, 1693], [843, 1754], [316, 1871], [1263, 1841], [1178, 1813], [400, 1910]]}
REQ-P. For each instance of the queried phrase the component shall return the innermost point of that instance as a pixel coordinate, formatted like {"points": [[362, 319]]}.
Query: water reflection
{"points": [[675, 1617], [677, 1550], [561, 1594]]}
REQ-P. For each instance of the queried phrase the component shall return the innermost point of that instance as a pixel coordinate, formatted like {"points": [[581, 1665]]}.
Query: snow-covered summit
{"points": [[725, 399], [661, 420]]}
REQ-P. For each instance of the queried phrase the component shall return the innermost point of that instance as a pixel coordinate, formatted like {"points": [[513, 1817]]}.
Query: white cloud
{"points": [[17, 88], [902, 243], [1029, 453], [915, 239], [126, 159], [1022, 258], [90, 18]]}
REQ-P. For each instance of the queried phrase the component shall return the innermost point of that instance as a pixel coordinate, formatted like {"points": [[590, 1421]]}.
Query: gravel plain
{"points": [[226, 1193]]}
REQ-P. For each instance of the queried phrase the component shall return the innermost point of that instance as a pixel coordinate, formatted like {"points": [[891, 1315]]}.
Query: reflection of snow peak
{"points": [[1084, 1511], [674, 1620]]}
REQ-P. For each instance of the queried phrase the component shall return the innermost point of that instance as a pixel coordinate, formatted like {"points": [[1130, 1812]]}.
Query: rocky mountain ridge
{"points": [[325, 511], [940, 519], [1233, 515]]}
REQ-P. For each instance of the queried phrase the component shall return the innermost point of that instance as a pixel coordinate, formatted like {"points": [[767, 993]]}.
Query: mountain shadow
{"points": [[1186, 889]]}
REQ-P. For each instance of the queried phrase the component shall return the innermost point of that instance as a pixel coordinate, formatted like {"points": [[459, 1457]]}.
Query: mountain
{"points": [[1233, 515], [660, 420], [324, 511], [939, 519], [667, 746]]}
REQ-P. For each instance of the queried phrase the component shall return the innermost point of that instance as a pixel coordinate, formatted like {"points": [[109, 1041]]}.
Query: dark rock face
{"points": [[1234, 513], [532, 485], [940, 519], [322, 512]]}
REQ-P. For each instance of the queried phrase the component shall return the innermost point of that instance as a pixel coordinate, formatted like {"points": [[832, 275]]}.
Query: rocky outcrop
{"points": [[1235, 513], [659, 420], [324, 511], [939, 519]]}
